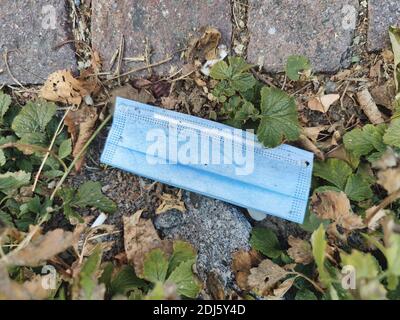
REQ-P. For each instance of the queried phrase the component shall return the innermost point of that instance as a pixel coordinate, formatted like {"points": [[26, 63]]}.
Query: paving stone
{"points": [[319, 29], [30, 31], [382, 15], [166, 24]]}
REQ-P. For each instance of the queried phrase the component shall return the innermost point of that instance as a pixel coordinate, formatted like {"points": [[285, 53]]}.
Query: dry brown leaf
{"points": [[300, 250], [310, 146], [140, 237], [341, 154], [61, 86], [390, 179], [265, 277], [384, 95], [323, 103], [282, 289], [215, 287], [131, 93], [81, 125], [204, 47], [170, 202], [313, 132], [389, 159], [369, 107], [169, 102], [43, 248], [242, 262], [29, 290], [336, 207]]}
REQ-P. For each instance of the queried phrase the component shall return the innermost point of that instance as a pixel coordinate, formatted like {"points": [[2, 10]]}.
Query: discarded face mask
{"points": [[209, 158]]}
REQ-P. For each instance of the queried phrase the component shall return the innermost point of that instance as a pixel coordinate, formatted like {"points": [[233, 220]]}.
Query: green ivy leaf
{"points": [[243, 82], [362, 142], [279, 118], [265, 241], [155, 266], [365, 264], [87, 275], [11, 181], [186, 283], [5, 102], [65, 149], [334, 171], [319, 244], [220, 71], [89, 194], [392, 136], [125, 281], [182, 251], [247, 111], [34, 117], [357, 188], [295, 65]]}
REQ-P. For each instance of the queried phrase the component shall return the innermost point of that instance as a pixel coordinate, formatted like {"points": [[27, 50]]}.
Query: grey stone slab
{"points": [[166, 24], [215, 228], [382, 15], [30, 31], [322, 30]]}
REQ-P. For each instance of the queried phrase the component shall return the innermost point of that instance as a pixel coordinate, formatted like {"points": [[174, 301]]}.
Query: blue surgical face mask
{"points": [[209, 158]]}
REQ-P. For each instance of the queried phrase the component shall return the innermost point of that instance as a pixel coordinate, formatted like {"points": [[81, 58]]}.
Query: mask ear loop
{"points": [[257, 215]]}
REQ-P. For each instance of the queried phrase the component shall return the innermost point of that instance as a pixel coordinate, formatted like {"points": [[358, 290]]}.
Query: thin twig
{"points": [[78, 156], [142, 68], [386, 202], [10, 73], [53, 140]]}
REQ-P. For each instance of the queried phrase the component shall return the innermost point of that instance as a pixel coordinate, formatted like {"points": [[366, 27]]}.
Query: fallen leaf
{"points": [[81, 124], [300, 250], [205, 47], [61, 86], [336, 207], [310, 146], [170, 202], [43, 248], [242, 262], [313, 132], [369, 107], [28, 290], [384, 95], [140, 237], [390, 179], [323, 103], [131, 93], [169, 102], [215, 287], [264, 278], [282, 289]]}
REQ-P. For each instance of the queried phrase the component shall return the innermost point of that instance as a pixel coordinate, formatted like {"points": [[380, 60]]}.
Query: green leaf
{"points": [[89, 195], [305, 294], [239, 65], [125, 281], [34, 117], [243, 82], [279, 118], [394, 34], [11, 181], [334, 171], [3, 159], [65, 149], [5, 102], [392, 136], [87, 275], [365, 264], [246, 112], [362, 142], [312, 222], [182, 251], [295, 65], [220, 71], [392, 254], [6, 219], [319, 245], [155, 266], [186, 283], [265, 241], [357, 188]]}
